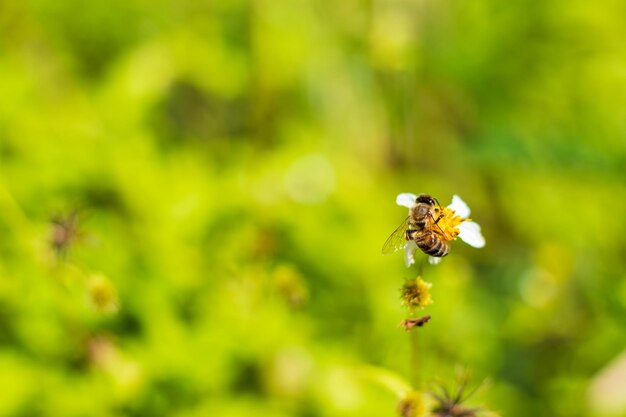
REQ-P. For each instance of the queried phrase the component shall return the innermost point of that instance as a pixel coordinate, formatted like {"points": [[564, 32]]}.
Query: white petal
{"points": [[433, 260], [460, 207], [469, 232], [406, 200], [409, 253]]}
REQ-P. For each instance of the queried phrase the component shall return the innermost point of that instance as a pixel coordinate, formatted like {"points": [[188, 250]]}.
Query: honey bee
{"points": [[421, 227]]}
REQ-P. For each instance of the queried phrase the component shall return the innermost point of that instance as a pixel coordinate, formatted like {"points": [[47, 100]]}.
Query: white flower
{"points": [[454, 221], [469, 231], [409, 253]]}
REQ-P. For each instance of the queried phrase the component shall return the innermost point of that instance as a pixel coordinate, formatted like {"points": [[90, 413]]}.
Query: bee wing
{"points": [[397, 240]]}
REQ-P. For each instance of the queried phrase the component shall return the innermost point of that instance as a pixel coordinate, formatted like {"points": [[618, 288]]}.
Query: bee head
{"points": [[425, 198]]}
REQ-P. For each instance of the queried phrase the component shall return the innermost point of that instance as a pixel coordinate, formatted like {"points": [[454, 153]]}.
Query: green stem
{"points": [[416, 370], [420, 268], [415, 359]]}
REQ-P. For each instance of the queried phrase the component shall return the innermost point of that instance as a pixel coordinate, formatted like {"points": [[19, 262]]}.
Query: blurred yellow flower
{"points": [[416, 293], [412, 405], [102, 295]]}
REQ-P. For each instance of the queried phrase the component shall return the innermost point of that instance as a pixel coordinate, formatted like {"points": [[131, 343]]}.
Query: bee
{"points": [[421, 227]]}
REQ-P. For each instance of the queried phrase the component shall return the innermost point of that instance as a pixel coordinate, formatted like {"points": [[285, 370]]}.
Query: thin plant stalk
{"points": [[416, 372]]}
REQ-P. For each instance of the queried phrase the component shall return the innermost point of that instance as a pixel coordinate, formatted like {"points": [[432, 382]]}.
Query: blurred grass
{"points": [[234, 166]]}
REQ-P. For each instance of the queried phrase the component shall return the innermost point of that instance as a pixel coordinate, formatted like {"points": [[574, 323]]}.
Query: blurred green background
{"points": [[218, 178]]}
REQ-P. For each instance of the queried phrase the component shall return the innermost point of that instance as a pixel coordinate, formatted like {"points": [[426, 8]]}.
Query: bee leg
{"points": [[408, 235]]}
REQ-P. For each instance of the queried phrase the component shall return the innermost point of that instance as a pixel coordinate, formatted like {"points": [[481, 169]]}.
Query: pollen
{"points": [[416, 293], [448, 223]]}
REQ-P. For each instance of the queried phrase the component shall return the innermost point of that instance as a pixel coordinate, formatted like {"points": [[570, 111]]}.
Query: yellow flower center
{"points": [[448, 223]]}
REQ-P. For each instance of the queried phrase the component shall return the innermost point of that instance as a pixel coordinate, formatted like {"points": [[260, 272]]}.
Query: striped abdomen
{"points": [[431, 244]]}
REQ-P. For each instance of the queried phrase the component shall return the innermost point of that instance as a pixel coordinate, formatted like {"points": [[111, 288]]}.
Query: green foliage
{"points": [[233, 166]]}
